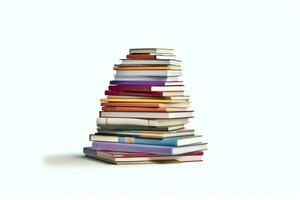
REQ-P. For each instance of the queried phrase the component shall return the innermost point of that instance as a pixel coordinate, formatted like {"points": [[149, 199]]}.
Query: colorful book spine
{"points": [[135, 140], [129, 93], [110, 146], [140, 56]]}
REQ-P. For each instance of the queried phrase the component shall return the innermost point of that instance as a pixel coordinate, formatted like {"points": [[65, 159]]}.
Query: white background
{"points": [[239, 59]]}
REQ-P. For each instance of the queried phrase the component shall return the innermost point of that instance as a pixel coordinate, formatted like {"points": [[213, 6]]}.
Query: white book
{"points": [[147, 134], [141, 122], [146, 78], [150, 62], [148, 115], [148, 73], [151, 50]]}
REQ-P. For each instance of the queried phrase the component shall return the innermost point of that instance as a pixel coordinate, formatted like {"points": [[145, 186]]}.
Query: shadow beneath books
{"points": [[70, 161]]}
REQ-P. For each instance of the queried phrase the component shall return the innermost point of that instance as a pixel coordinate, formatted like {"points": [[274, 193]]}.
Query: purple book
{"points": [[155, 149], [154, 83]]}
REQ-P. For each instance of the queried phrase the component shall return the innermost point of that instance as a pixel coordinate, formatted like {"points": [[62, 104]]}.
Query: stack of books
{"points": [[144, 115]]}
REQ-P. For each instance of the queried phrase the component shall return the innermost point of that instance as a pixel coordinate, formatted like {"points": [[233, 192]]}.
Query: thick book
{"points": [[147, 133], [141, 109], [147, 105], [146, 88], [151, 51], [126, 127], [148, 73], [148, 115], [150, 83], [120, 158], [174, 141], [155, 149], [143, 93], [149, 56], [147, 67], [146, 78], [141, 122]]}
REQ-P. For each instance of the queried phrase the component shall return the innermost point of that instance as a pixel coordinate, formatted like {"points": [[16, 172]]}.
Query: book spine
{"points": [[124, 121], [150, 105], [162, 142], [140, 56], [131, 88], [150, 83], [133, 109], [163, 150], [130, 93]]}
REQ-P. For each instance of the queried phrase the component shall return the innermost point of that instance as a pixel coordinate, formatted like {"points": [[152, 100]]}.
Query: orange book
{"points": [[141, 109], [147, 67]]}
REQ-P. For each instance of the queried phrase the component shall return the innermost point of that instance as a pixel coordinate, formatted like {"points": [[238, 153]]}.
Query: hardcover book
{"points": [[151, 50], [150, 73], [150, 83], [155, 149], [140, 122], [147, 133], [174, 141], [148, 115], [146, 88], [140, 158]]}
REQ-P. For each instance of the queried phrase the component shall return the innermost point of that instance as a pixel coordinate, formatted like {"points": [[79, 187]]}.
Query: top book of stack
{"points": [[150, 57]]}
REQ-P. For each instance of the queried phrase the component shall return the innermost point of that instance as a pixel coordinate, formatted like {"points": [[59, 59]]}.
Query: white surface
{"points": [[239, 60]]}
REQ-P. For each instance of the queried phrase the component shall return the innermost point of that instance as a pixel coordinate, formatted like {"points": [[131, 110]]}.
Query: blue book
{"points": [[173, 141]]}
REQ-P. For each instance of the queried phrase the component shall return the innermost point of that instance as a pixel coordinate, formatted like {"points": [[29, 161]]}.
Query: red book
{"points": [[130, 93], [146, 88], [140, 56]]}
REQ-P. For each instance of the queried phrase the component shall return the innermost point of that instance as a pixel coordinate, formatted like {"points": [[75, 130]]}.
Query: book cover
{"points": [[140, 122], [149, 115], [146, 105], [141, 109], [155, 149], [147, 67], [141, 93], [149, 83], [146, 88], [174, 141]]}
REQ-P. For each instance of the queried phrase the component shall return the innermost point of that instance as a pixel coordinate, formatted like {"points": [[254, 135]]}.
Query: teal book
{"points": [[173, 141]]}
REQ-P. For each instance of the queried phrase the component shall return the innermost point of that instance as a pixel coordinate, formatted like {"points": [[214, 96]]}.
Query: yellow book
{"points": [[148, 67]]}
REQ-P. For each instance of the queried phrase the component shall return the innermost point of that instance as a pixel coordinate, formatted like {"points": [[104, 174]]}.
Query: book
{"points": [[126, 127], [174, 141], [147, 67], [148, 115], [141, 109], [150, 56], [147, 133], [148, 73], [146, 78], [150, 94], [144, 100], [147, 105], [151, 50], [155, 149], [146, 88], [140, 158], [182, 97], [140, 122], [151, 83]]}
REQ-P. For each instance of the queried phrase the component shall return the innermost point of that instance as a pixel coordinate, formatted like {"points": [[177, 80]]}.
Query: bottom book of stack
{"points": [[120, 158]]}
